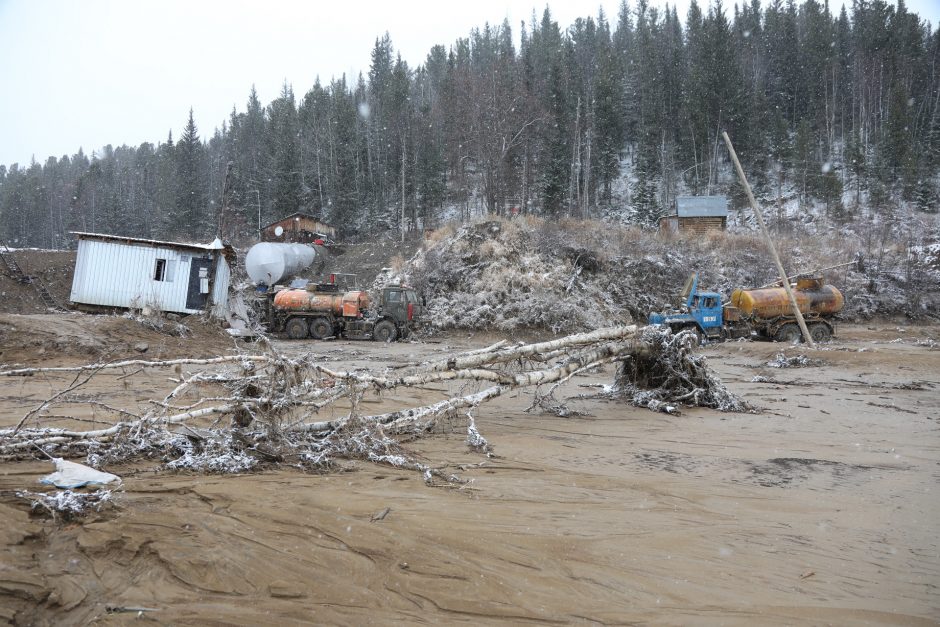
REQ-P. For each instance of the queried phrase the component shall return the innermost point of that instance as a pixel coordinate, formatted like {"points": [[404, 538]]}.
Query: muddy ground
{"points": [[820, 508], [44, 339]]}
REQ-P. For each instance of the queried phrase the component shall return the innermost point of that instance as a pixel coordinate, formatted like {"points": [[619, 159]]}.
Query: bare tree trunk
{"points": [[574, 191], [403, 154], [589, 134], [272, 399]]}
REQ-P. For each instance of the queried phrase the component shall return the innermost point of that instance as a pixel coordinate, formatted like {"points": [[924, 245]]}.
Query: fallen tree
{"points": [[244, 412]]}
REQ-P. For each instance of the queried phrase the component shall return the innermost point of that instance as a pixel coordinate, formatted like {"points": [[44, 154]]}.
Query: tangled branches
{"points": [[245, 412], [68, 504], [668, 373]]}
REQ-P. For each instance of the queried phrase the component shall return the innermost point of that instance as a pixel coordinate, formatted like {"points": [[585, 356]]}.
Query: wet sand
{"points": [[820, 508]]}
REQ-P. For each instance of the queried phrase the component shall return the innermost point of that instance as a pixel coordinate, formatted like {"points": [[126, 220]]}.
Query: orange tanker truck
{"points": [[322, 310], [764, 312]]}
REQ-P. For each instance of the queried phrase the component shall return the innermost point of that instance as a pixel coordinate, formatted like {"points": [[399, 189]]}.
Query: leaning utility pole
{"points": [[770, 244]]}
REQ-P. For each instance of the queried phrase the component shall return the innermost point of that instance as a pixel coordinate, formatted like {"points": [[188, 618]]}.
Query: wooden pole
{"points": [[770, 244]]}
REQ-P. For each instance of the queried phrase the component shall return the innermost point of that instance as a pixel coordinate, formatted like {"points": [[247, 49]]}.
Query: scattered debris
{"points": [[67, 504], [475, 440], [796, 361], [380, 515], [118, 609]]}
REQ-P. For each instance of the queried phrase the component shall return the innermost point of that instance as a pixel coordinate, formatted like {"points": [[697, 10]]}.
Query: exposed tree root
{"points": [[668, 374]]}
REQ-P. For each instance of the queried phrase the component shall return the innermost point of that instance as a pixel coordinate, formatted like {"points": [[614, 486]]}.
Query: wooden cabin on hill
{"points": [[298, 228], [697, 214]]}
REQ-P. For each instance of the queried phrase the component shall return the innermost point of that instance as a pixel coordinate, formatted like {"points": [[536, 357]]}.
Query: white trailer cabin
{"points": [[133, 273]]}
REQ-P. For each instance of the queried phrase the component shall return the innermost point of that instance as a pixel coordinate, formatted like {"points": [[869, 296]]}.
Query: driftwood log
{"points": [[243, 412]]}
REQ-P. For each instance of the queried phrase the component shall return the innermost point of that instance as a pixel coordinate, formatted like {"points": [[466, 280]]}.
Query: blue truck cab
{"points": [[700, 312]]}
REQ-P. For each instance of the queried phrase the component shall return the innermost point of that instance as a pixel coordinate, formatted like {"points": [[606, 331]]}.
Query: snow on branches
{"points": [[247, 412]]}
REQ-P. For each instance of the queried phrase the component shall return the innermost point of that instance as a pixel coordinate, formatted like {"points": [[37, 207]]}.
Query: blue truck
{"points": [[762, 312]]}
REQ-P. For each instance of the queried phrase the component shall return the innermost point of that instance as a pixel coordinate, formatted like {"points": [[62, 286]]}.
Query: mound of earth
{"points": [[53, 267], [364, 260], [568, 275], [37, 338]]}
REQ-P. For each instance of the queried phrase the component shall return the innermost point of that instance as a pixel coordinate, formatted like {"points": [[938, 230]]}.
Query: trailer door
{"points": [[197, 292]]}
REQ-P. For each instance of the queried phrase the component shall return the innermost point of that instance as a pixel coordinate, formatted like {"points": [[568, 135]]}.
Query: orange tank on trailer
{"points": [[812, 297], [349, 304]]}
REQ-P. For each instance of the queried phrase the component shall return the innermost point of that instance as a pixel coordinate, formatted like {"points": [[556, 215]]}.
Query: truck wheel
{"points": [[296, 328], [320, 328], [385, 331], [820, 332], [696, 334], [788, 333]]}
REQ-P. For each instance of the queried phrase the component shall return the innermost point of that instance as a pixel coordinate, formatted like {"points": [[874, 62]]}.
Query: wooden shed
{"points": [[134, 273], [697, 214], [299, 228]]}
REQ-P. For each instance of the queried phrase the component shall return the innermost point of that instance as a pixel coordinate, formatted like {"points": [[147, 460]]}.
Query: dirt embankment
{"points": [[53, 267], [34, 339], [817, 509]]}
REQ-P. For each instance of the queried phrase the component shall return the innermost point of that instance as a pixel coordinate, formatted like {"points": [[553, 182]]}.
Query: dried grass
{"points": [[572, 275]]}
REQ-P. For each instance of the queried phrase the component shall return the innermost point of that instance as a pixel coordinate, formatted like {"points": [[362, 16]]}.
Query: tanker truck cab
{"points": [[701, 312], [400, 309]]}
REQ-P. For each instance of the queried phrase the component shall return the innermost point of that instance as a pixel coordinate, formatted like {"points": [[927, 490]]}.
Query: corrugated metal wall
{"points": [[112, 274]]}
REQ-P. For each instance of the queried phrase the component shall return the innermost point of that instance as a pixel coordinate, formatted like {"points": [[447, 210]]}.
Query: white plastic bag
{"points": [[73, 475]]}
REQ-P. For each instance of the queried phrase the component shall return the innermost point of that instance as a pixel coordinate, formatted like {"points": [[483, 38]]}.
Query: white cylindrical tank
{"points": [[269, 262]]}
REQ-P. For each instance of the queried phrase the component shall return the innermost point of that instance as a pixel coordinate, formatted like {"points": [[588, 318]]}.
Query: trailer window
{"points": [[159, 272]]}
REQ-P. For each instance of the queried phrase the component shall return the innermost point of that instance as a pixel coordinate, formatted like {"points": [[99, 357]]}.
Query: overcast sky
{"points": [[95, 72]]}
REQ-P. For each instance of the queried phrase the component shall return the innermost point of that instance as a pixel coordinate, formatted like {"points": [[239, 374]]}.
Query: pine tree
{"points": [[855, 159], [608, 112], [191, 216], [803, 158], [283, 155], [482, 126], [645, 203], [251, 164], [344, 197]]}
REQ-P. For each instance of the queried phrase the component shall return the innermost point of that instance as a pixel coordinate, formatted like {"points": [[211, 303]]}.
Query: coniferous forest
{"points": [[611, 117]]}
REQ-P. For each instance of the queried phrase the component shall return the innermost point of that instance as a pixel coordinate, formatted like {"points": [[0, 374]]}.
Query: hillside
{"points": [[566, 276], [507, 274], [53, 267]]}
